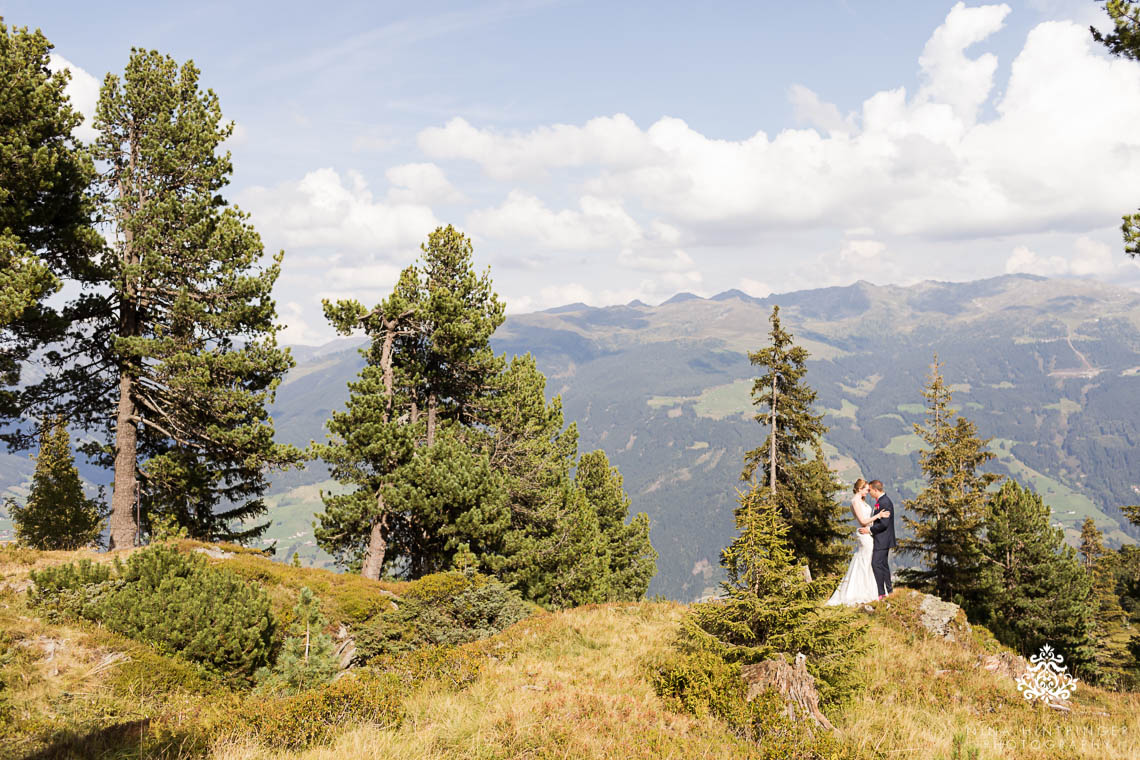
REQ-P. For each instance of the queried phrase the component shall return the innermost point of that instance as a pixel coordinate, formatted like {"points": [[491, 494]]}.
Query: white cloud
{"points": [[421, 183], [597, 223], [1090, 258], [326, 211], [1049, 155], [83, 90], [809, 109], [949, 76], [755, 288], [861, 251]]}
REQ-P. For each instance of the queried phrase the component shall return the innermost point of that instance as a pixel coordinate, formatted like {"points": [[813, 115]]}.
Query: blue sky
{"points": [[608, 151]]}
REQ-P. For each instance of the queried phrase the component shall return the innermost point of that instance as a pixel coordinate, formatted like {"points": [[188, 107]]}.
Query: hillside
{"points": [[1049, 368], [568, 684]]}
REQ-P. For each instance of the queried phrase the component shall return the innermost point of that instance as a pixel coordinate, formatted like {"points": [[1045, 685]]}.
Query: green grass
{"points": [[904, 445], [717, 402], [911, 408]]}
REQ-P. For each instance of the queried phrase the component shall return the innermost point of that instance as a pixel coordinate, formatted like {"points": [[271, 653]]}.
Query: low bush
{"points": [[316, 715], [442, 609], [171, 600]]}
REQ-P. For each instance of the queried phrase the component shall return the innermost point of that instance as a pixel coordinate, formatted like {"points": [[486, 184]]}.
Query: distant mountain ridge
{"points": [[1050, 368]]}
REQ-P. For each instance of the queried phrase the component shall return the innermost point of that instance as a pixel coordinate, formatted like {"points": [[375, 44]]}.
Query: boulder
{"points": [[943, 619], [1006, 664]]}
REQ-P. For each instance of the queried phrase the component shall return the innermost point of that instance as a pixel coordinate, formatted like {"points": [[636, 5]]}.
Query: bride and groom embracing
{"points": [[868, 577]]}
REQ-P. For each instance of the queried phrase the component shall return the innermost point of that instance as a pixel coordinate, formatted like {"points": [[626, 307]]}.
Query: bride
{"points": [[858, 585]]}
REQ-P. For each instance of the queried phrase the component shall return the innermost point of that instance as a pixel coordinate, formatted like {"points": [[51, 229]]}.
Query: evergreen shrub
{"points": [[172, 600], [442, 609]]}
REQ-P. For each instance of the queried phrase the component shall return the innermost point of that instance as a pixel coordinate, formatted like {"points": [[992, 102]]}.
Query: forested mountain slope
{"points": [[1049, 368]]}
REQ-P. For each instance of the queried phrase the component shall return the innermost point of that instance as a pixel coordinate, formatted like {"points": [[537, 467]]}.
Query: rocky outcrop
{"points": [[943, 619], [1006, 664], [792, 681]]}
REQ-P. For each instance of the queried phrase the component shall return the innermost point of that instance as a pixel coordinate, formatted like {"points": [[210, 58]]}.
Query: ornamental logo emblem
{"points": [[1047, 678]]}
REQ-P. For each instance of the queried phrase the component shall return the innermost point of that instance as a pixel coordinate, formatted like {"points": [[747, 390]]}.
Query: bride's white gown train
{"points": [[858, 585]]}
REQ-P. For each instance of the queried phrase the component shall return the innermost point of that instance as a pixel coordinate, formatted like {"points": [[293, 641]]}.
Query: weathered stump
{"points": [[792, 681]]}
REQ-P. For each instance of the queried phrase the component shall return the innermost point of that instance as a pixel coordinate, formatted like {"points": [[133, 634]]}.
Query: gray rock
{"points": [[939, 618]]}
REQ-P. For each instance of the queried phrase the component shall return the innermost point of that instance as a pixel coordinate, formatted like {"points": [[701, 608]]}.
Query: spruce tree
{"points": [[950, 511], [769, 607], [308, 658], [57, 514], [1109, 617], [1033, 589], [791, 461], [46, 231], [173, 356], [632, 559]]}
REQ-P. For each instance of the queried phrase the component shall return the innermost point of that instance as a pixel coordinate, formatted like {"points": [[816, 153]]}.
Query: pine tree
{"points": [[1033, 589], [950, 511], [174, 355], [791, 460], [1109, 617], [429, 368], [308, 658], [46, 231], [632, 559], [57, 514], [372, 438], [769, 607]]}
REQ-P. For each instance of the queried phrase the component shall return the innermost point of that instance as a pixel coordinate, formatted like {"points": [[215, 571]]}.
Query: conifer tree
{"points": [[631, 558], [791, 461], [1109, 617], [1033, 589], [173, 356], [308, 658], [372, 438], [950, 511], [46, 231], [769, 607], [57, 514]]}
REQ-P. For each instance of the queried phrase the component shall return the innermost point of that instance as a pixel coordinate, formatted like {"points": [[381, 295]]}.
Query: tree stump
{"points": [[792, 681]]}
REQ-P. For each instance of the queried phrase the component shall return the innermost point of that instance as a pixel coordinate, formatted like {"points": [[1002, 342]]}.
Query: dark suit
{"points": [[883, 535]]}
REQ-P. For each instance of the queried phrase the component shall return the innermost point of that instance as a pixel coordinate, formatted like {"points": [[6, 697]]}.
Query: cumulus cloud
{"points": [[421, 183], [1048, 155], [809, 109], [330, 212], [596, 223], [83, 91], [1089, 258]]}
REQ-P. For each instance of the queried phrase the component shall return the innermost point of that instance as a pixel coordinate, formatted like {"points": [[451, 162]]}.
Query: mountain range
{"points": [[1047, 368]]}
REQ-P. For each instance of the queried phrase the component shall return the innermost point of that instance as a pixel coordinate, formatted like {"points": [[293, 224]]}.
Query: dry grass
{"points": [[575, 689], [923, 691], [566, 685]]}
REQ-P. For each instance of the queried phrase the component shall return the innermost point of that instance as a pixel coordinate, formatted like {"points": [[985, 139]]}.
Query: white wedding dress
{"points": [[858, 585]]}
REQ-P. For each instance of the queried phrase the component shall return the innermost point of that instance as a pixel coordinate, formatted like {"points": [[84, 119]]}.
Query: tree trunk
{"points": [[124, 522], [772, 445], [377, 543], [431, 415], [123, 526]]}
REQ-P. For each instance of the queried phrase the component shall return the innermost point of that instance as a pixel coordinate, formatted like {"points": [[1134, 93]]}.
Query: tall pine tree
{"points": [[950, 511], [1109, 617], [46, 213], [791, 461], [57, 514], [173, 356], [1033, 589]]}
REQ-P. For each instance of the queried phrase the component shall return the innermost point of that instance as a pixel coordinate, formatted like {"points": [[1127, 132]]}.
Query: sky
{"points": [[603, 152]]}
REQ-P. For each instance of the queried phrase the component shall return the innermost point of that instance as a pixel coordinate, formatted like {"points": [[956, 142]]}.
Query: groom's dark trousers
{"points": [[883, 535]]}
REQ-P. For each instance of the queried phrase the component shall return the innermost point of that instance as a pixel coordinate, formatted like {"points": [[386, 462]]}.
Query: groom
{"points": [[883, 535]]}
